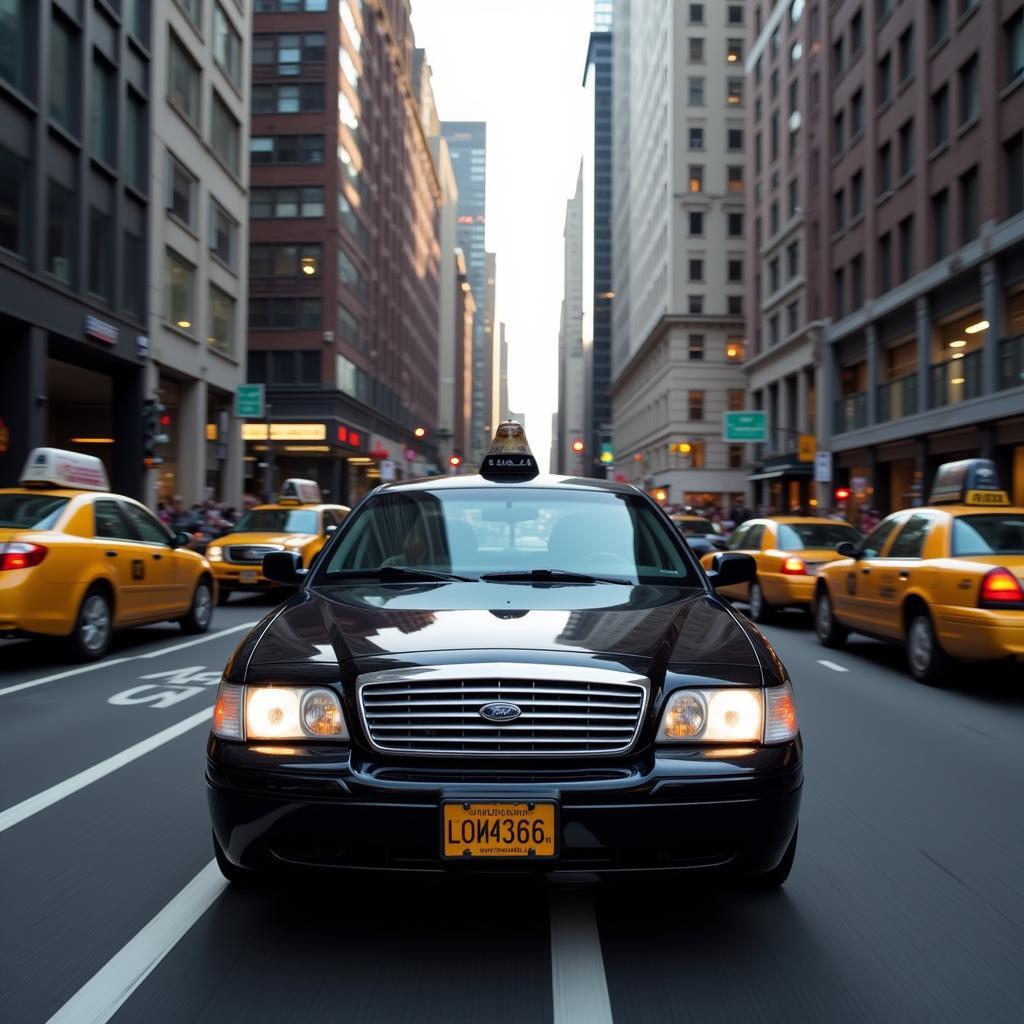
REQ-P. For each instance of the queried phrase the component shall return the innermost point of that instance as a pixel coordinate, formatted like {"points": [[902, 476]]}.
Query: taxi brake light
{"points": [[1000, 587], [21, 556], [794, 567]]}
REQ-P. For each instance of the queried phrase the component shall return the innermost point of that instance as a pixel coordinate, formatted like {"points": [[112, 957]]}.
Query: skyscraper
{"points": [[571, 376], [467, 145]]}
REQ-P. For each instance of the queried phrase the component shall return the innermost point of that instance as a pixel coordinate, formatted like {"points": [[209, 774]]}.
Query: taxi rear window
{"points": [[277, 520], [695, 527], [30, 511], [798, 536], [998, 534], [471, 532]]}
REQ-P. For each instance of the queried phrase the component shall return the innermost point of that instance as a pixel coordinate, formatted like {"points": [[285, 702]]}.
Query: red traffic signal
{"points": [[842, 494], [455, 461], [577, 446]]}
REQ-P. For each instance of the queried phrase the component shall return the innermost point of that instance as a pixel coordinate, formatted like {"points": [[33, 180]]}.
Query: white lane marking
{"points": [[832, 665], [110, 662], [579, 989], [111, 986], [62, 675], [34, 804]]}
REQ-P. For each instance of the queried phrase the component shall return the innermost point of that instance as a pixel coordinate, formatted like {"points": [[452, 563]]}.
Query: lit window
{"points": [[735, 350]]}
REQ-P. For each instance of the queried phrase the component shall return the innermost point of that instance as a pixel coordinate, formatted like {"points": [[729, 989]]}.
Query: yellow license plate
{"points": [[498, 829], [248, 576]]}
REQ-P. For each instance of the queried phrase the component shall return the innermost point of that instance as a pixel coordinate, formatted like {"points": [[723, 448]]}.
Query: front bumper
{"points": [[240, 577], [725, 811]]}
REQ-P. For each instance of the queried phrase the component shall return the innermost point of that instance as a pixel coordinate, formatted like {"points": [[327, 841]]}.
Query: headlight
{"points": [[213, 553], [731, 715], [277, 713]]}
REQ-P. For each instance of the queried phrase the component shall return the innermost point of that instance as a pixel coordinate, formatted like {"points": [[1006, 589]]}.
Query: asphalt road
{"points": [[906, 902]]}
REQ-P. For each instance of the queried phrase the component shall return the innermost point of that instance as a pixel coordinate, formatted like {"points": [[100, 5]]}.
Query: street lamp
{"points": [[420, 431]]}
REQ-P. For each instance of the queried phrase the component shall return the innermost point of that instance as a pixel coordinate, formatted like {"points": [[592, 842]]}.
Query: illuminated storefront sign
{"points": [[285, 432]]}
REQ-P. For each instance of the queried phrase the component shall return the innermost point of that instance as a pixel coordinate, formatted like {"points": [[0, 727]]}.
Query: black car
{"points": [[506, 672]]}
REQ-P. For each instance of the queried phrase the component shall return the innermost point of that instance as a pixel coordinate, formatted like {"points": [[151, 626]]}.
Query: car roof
{"points": [[543, 480], [967, 510], [796, 520], [312, 506]]}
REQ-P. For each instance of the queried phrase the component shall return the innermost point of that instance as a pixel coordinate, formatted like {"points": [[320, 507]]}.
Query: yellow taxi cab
{"points": [[789, 551], [79, 562], [702, 535], [946, 580], [298, 521]]}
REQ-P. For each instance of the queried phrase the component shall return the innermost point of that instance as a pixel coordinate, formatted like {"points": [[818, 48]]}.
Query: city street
{"points": [[906, 902]]}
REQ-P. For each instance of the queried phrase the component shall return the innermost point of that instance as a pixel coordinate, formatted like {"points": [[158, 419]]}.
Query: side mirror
{"points": [[730, 568], [330, 528], [181, 539], [848, 549], [284, 567]]}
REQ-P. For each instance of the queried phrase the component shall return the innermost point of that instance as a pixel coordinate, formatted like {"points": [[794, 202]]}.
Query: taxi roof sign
{"points": [[296, 491], [968, 482], [55, 467], [509, 456]]}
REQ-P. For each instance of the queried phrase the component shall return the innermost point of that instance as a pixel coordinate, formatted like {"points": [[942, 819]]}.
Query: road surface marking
{"points": [[111, 986], [110, 662], [34, 804], [832, 665], [578, 987]]}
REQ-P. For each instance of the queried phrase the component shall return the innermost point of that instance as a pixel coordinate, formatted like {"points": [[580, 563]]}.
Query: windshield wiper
{"points": [[548, 576], [398, 574]]}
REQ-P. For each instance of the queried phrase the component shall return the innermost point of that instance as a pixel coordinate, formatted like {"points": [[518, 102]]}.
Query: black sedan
{"points": [[506, 672]]}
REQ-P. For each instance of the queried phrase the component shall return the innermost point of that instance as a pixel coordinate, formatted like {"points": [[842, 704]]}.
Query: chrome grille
{"points": [[248, 554], [560, 717]]}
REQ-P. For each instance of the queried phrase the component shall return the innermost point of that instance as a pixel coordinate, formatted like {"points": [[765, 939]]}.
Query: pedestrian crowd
{"points": [[204, 521], [738, 512]]}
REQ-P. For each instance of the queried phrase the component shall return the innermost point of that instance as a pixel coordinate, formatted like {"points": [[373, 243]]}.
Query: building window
{"points": [[136, 142], [885, 181], [885, 263], [13, 25], [773, 137], [696, 92], [696, 178], [1014, 160], [735, 350], [295, 98], [289, 51], [773, 84], [136, 18], [735, 456], [1013, 32], [734, 271], [940, 117], [303, 261], [793, 260], [223, 234], [856, 113], [181, 192], [773, 217], [793, 317], [734, 51], [696, 138], [696, 346], [182, 81], [271, 6], [696, 405], [60, 232], [735, 14], [351, 278], [696, 270], [696, 14], [885, 79], [696, 222], [225, 134], [905, 52], [221, 335], [794, 197], [227, 45], [696, 50], [179, 291], [773, 330], [734, 305], [274, 314], [838, 65], [906, 144], [906, 230], [133, 276], [14, 178], [695, 303], [62, 73], [856, 33], [857, 195], [194, 10], [856, 282], [735, 176], [103, 111], [735, 225], [940, 223], [286, 149], [734, 139], [970, 206], [839, 210], [735, 399], [838, 133], [970, 96], [734, 92], [101, 254], [939, 20], [839, 284], [774, 281]]}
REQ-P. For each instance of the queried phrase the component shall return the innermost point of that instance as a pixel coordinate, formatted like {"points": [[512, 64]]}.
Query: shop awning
{"points": [[793, 469]]}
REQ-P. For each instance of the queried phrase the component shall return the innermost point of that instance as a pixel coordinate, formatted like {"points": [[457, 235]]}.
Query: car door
{"points": [[168, 582], [125, 556], [896, 573], [852, 595]]}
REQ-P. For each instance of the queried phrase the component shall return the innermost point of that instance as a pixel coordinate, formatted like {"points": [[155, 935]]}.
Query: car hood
{"points": [[429, 624], [256, 539]]}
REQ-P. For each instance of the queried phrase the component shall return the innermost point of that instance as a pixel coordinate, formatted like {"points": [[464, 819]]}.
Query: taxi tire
{"points": [[837, 634], [76, 641], [762, 611], [775, 878], [191, 623], [235, 874], [940, 664]]}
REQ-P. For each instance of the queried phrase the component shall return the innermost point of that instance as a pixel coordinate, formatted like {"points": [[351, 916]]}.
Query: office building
{"points": [[569, 458]]}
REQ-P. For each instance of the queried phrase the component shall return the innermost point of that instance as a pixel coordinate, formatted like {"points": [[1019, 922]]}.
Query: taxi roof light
{"points": [[968, 482], [18, 555], [295, 491], [509, 456], [55, 467], [1000, 588]]}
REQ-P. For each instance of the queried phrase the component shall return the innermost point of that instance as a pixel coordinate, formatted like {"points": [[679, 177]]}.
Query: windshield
{"points": [[1001, 534], [798, 536], [277, 520], [470, 532], [30, 511], [695, 527]]}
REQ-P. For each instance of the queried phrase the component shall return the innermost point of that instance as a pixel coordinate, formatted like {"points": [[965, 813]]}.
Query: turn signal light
{"points": [[1000, 587], [16, 555], [794, 567]]}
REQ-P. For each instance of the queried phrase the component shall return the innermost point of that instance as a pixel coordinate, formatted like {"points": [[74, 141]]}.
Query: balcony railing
{"points": [[897, 398], [957, 380], [851, 412], [1011, 362]]}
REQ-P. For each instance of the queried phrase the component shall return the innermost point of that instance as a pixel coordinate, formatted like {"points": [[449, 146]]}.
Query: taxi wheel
{"points": [[201, 611], [830, 632], [93, 627], [760, 609], [232, 872], [927, 661]]}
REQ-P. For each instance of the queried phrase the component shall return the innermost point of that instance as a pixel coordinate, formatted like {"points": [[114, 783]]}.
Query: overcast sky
{"points": [[518, 65]]}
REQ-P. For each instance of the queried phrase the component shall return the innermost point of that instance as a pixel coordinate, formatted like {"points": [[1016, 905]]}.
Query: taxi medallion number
{"points": [[498, 829]]}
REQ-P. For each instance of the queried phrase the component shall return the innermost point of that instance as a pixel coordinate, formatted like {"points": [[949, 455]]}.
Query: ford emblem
{"points": [[500, 711]]}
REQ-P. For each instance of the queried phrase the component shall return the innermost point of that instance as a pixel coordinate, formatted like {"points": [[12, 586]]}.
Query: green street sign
{"points": [[738, 427], [249, 402]]}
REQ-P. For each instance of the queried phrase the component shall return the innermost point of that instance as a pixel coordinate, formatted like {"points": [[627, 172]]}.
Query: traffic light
{"points": [[577, 446], [154, 420], [842, 494], [455, 461], [420, 432]]}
